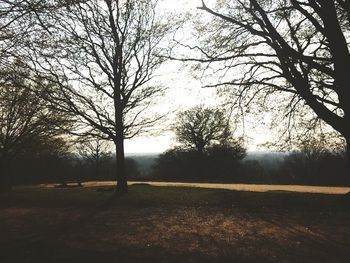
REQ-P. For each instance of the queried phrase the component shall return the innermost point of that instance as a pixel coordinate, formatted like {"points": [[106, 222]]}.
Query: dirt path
{"points": [[242, 187]]}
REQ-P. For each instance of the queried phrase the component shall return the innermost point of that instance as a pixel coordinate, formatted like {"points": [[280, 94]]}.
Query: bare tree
{"points": [[20, 20], [102, 59], [298, 49], [93, 150], [27, 123]]}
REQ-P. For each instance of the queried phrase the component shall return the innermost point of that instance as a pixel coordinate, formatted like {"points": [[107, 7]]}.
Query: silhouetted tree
{"points": [[207, 148], [180, 164], [200, 127], [217, 162], [22, 22], [315, 162], [300, 48], [94, 151], [28, 125], [43, 160], [102, 58]]}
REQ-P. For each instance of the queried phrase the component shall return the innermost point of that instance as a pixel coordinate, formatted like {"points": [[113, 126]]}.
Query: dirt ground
{"points": [[172, 224]]}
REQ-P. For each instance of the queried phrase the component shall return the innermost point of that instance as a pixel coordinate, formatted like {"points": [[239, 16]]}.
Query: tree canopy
{"points": [[201, 127], [295, 50], [101, 56], [28, 124], [207, 147]]}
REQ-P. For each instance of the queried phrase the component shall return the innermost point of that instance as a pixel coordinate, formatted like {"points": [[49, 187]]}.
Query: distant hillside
{"points": [[144, 161], [270, 161]]}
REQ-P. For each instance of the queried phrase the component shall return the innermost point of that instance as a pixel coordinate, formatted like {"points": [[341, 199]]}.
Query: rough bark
{"points": [[122, 185], [347, 152]]}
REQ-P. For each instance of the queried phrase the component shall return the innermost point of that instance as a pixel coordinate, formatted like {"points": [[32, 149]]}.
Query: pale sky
{"points": [[185, 92]]}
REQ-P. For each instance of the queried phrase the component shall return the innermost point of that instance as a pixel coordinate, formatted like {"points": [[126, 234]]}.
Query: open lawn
{"points": [[172, 224]]}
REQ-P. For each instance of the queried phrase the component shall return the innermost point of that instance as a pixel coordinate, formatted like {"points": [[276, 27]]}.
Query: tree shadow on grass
{"points": [[56, 252], [296, 213], [39, 241], [273, 209]]}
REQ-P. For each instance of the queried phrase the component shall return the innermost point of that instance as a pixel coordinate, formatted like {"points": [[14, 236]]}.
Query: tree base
{"points": [[122, 188]]}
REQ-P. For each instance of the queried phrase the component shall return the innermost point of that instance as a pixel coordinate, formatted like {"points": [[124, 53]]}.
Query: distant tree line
{"points": [[328, 168], [61, 169], [293, 168], [206, 152]]}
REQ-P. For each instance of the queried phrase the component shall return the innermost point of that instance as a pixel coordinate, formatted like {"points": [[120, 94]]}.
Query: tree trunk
{"points": [[122, 185], [97, 168], [347, 153]]}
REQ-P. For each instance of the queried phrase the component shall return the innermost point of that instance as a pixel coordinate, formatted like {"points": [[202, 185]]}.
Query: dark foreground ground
{"points": [[172, 224]]}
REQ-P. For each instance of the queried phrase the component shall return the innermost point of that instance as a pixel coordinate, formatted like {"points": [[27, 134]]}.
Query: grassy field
{"points": [[172, 224]]}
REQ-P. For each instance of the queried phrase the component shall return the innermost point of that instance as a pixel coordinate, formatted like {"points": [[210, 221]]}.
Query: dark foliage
{"points": [[28, 124], [208, 149], [199, 128], [296, 168], [54, 168], [324, 168], [217, 162]]}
